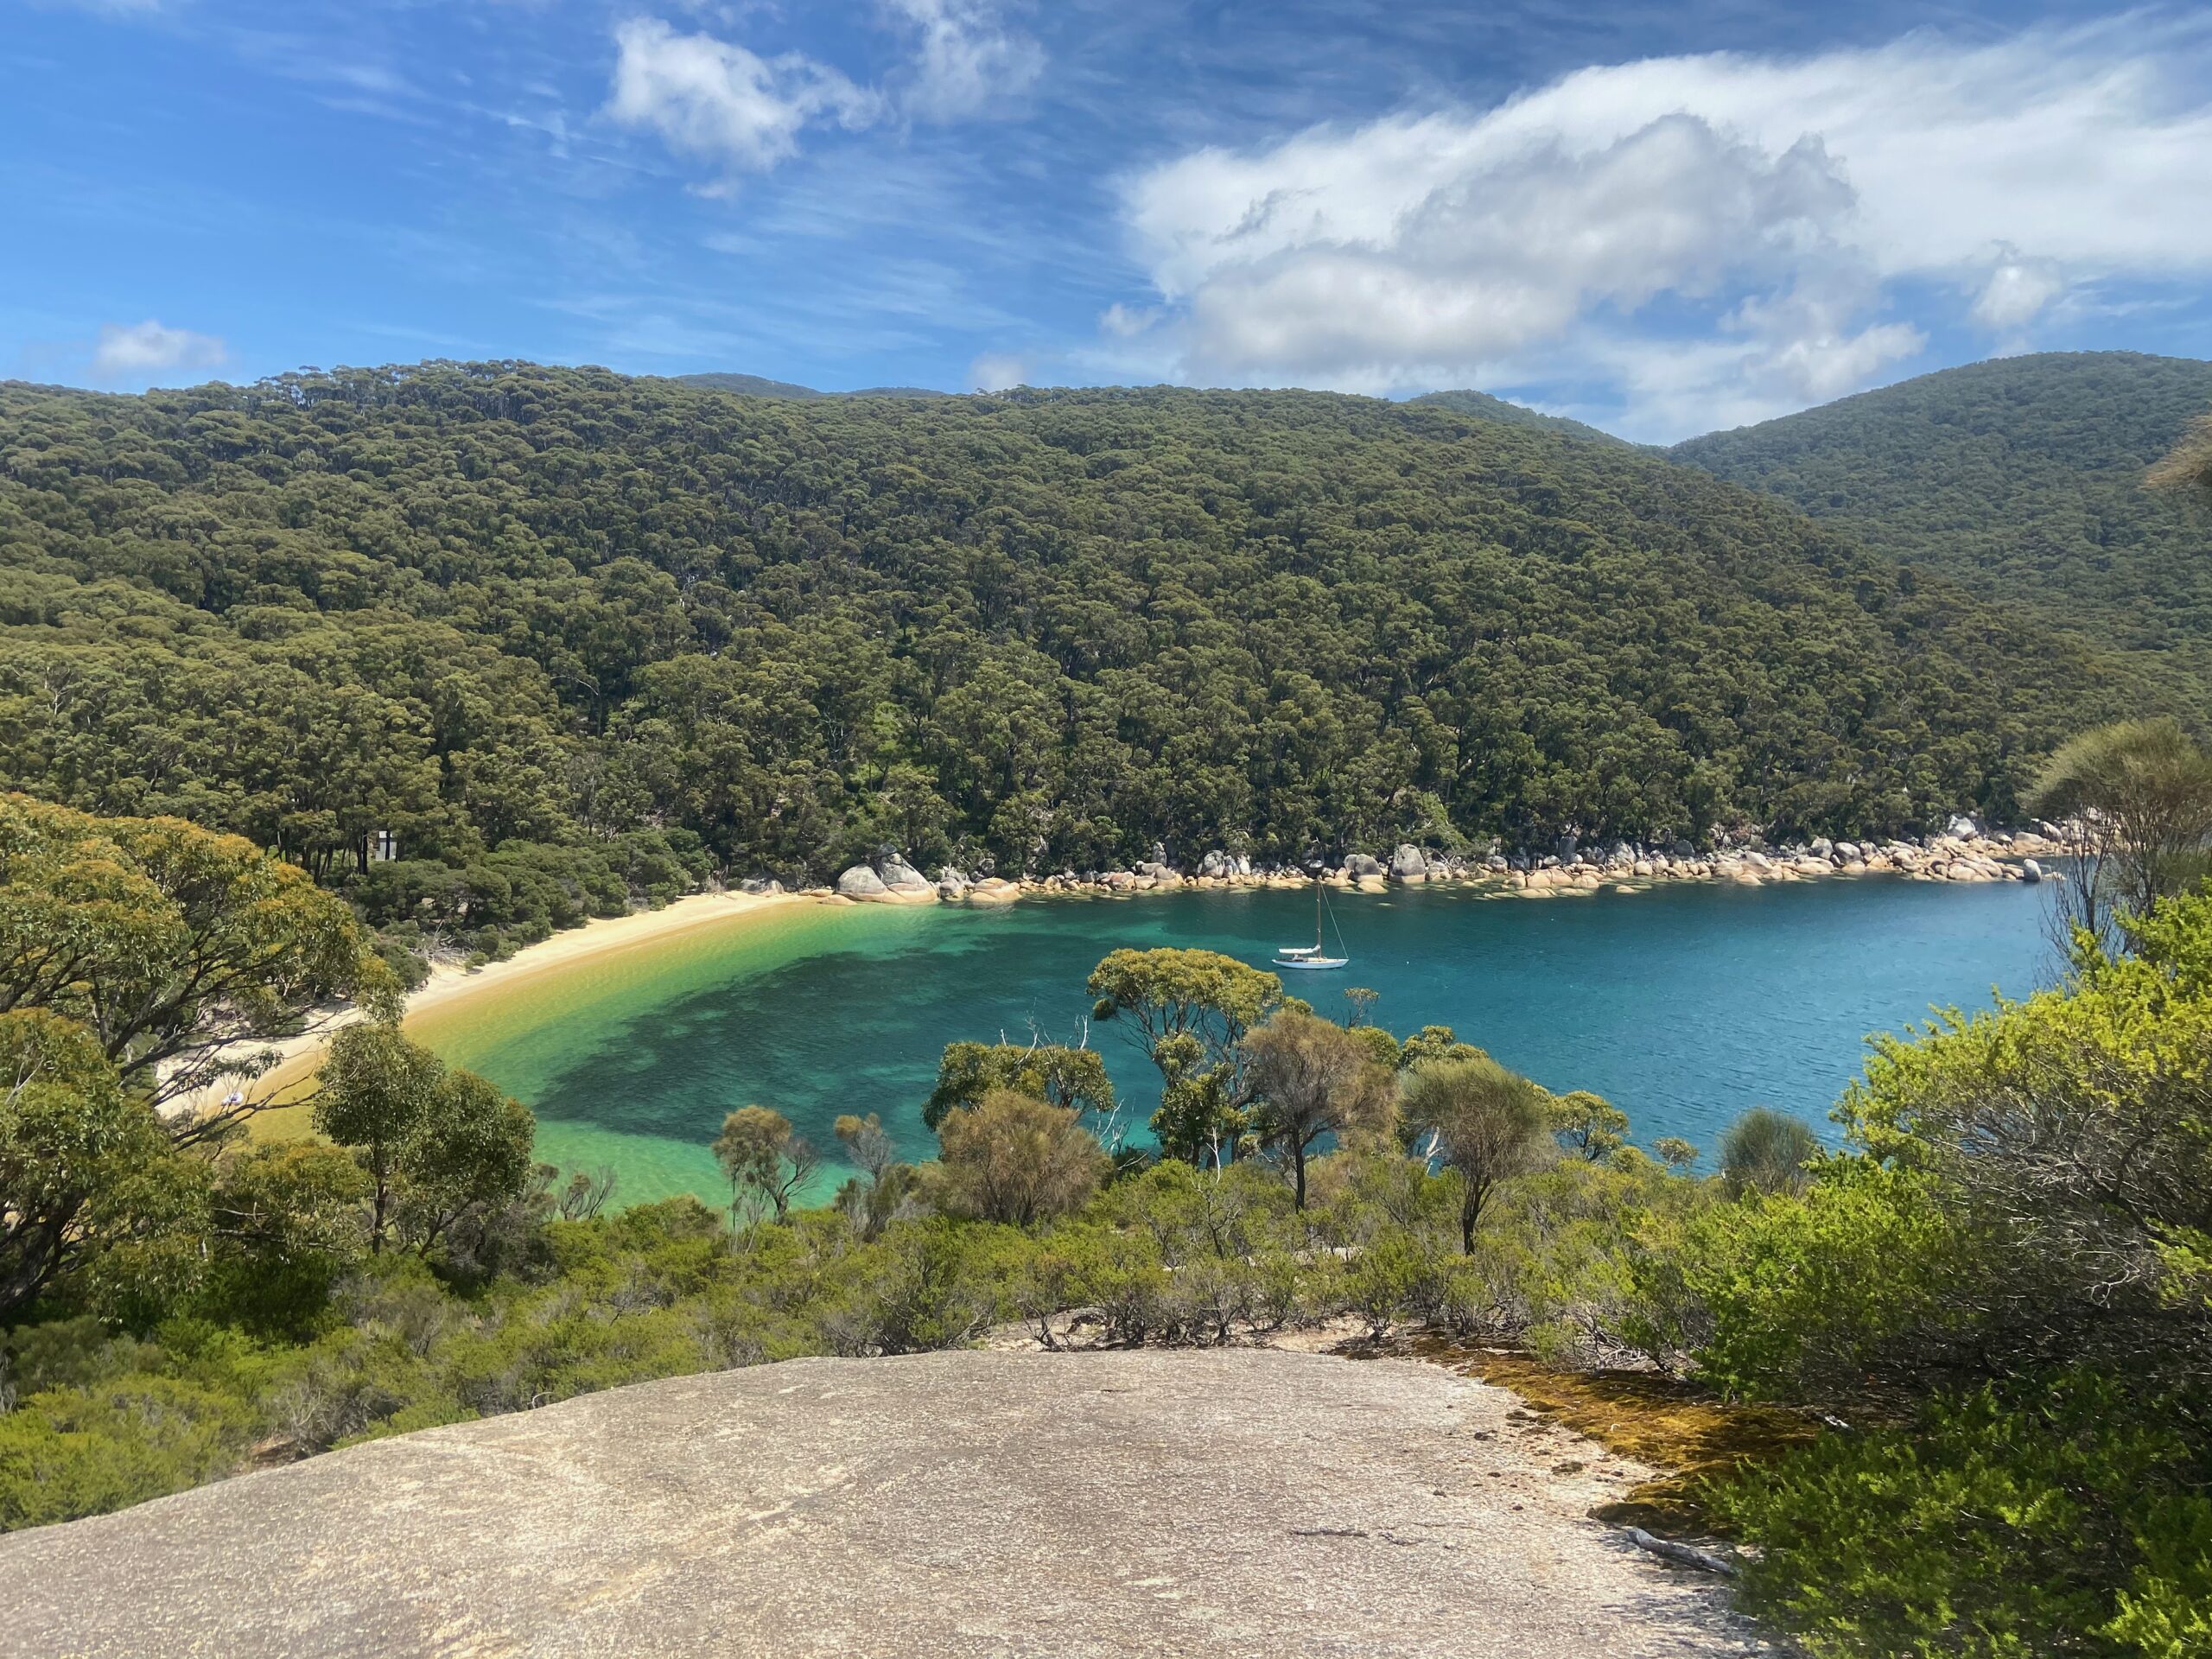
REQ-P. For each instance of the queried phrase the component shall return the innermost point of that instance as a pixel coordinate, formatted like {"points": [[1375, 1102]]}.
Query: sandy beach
{"points": [[285, 1083]]}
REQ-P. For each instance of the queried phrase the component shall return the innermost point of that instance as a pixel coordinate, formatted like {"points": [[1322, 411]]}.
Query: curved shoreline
{"points": [[285, 1084]]}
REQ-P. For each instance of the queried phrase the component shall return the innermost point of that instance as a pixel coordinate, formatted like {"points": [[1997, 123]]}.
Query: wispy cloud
{"points": [[996, 371], [717, 101], [137, 351], [968, 59]]}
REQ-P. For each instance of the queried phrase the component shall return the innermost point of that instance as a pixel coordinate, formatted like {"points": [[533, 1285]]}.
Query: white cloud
{"points": [[1725, 230], [2016, 290], [709, 99], [716, 100], [1128, 321], [996, 371], [138, 350], [1671, 388], [967, 60]]}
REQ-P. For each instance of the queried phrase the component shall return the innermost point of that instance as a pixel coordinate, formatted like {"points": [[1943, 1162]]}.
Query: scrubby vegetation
{"points": [[578, 641], [1997, 1295]]}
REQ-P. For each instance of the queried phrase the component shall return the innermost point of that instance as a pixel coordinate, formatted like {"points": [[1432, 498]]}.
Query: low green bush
{"points": [[2070, 1517]]}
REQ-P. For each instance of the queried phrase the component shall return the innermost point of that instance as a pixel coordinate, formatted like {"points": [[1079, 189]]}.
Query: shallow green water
{"points": [[1684, 1005]]}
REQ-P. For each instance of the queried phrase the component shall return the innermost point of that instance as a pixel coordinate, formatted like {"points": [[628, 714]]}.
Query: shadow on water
{"points": [[1684, 1005]]}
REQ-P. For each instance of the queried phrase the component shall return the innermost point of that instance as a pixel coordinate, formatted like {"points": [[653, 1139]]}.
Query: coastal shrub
{"points": [[1014, 1159], [1564, 1246], [1805, 1296], [1129, 1284], [2074, 1129], [1767, 1151], [1195, 1213], [1396, 1274], [929, 1285], [67, 1452], [2066, 1516]]}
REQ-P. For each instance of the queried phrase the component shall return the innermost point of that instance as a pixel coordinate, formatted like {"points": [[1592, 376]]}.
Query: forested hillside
{"points": [[1483, 406], [2022, 480], [616, 629]]}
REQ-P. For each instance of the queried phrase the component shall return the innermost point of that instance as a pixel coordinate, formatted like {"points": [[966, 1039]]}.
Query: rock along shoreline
{"points": [[1965, 852]]}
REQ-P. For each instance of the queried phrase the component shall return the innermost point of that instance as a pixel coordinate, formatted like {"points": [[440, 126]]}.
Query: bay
{"points": [[1683, 1005]]}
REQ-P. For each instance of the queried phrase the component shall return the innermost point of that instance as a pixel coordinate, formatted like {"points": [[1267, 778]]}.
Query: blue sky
{"points": [[1661, 218]]}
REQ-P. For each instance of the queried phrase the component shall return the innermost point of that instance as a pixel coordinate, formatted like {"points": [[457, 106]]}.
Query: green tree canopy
{"points": [[375, 1094], [1168, 993], [1478, 1119], [1071, 1077], [173, 946], [437, 1146], [1306, 1078], [570, 637], [76, 1148]]}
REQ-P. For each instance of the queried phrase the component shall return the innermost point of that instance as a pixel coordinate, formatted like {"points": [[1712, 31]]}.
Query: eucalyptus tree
{"points": [[439, 1146], [77, 1152], [1069, 1077], [179, 950], [1475, 1117], [2136, 802], [768, 1163], [1168, 993], [1306, 1077]]}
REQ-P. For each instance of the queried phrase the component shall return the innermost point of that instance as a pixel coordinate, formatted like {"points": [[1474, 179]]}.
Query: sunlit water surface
{"points": [[1683, 1005]]}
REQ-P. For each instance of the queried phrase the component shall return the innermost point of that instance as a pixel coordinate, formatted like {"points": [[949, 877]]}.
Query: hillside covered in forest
{"points": [[1481, 405], [569, 626], [2022, 480]]}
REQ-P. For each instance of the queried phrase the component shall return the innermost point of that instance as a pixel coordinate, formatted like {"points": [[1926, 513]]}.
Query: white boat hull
{"points": [[1314, 961]]}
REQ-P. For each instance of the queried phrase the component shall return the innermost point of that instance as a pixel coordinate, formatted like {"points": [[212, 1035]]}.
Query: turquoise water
{"points": [[1683, 1005]]}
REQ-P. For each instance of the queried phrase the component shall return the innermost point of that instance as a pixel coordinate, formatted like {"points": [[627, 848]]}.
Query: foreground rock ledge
{"points": [[1246, 1502]]}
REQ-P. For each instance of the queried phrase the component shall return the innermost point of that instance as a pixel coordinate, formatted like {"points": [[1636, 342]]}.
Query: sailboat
{"points": [[1309, 956]]}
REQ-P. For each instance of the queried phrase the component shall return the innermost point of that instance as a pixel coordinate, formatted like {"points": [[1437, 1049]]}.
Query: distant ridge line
{"points": [[755, 385]]}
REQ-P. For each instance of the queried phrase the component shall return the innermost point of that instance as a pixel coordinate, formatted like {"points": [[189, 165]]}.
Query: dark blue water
{"points": [[1684, 1006]]}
